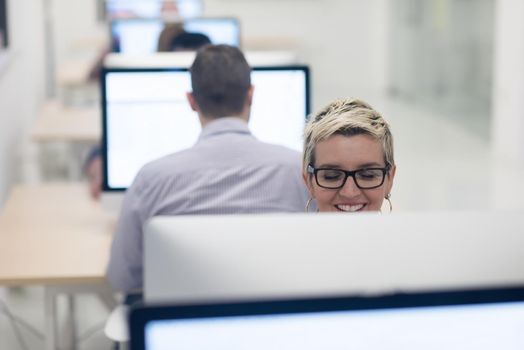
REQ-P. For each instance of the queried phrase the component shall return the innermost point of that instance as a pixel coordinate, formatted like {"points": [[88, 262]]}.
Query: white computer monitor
{"points": [[140, 36], [219, 30], [151, 8], [146, 115], [195, 259], [473, 319]]}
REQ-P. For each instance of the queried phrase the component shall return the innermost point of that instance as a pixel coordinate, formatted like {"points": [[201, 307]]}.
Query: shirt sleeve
{"points": [[125, 269]]}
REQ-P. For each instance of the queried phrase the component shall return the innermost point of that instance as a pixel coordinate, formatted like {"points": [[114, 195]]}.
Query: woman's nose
{"points": [[350, 188]]}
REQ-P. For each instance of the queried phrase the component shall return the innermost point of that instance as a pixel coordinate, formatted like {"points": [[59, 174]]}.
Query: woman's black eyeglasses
{"points": [[366, 178]]}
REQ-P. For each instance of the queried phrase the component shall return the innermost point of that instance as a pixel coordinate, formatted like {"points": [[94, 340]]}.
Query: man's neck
{"points": [[206, 120]]}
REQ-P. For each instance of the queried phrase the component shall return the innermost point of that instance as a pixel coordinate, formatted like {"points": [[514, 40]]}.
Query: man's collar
{"points": [[225, 125]]}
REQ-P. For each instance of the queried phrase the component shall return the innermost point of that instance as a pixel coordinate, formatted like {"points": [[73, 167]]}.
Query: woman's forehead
{"points": [[352, 150]]}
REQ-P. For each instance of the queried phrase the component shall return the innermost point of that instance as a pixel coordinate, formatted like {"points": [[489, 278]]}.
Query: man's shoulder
{"points": [[279, 152], [165, 164]]}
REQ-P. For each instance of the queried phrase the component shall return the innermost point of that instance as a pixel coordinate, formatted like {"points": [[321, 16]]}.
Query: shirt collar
{"points": [[224, 125]]}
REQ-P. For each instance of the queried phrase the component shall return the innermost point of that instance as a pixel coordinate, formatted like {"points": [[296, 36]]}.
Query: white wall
{"points": [[21, 86], [442, 56], [344, 41], [508, 91], [76, 29]]}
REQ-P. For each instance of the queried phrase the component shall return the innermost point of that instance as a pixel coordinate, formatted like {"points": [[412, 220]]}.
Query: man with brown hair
{"points": [[228, 171]]}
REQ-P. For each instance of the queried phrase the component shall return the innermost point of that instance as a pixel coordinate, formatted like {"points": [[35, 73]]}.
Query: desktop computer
{"points": [[472, 319], [196, 259], [145, 115], [139, 36]]}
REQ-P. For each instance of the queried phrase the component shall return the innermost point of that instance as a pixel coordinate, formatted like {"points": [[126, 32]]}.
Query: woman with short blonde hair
{"points": [[348, 162]]}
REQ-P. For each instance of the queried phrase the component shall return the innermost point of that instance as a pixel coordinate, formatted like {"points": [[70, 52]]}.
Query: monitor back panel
{"points": [[202, 258]]}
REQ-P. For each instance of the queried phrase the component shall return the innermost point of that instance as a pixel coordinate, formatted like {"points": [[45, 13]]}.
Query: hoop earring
{"points": [[308, 203], [387, 197]]}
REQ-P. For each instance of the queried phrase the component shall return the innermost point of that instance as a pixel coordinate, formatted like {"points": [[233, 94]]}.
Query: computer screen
{"points": [[4, 38], [151, 8], [219, 30], [146, 115], [140, 36], [454, 320]]}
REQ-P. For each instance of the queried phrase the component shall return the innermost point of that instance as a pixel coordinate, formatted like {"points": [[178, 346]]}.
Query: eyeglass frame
{"points": [[314, 171]]}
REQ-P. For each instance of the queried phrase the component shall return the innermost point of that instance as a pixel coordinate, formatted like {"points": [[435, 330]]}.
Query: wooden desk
{"points": [[75, 72], [57, 122], [55, 235]]}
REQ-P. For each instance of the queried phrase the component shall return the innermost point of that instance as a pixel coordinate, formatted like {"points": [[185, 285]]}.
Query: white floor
{"points": [[440, 166], [27, 305]]}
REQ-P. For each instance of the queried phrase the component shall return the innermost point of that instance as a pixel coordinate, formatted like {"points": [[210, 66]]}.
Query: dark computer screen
{"points": [[4, 38]]}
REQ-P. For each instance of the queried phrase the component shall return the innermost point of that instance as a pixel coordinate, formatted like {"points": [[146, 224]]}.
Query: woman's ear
{"points": [[307, 180], [390, 176]]}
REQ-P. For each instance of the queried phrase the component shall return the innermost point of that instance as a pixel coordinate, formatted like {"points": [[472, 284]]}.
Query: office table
{"points": [[55, 235], [74, 129], [58, 122], [75, 72]]}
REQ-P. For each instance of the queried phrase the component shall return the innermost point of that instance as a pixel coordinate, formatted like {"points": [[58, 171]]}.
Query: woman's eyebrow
{"points": [[369, 165], [360, 166], [331, 166]]}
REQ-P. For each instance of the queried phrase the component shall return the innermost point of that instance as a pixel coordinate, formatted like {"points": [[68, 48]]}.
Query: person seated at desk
{"points": [[228, 171], [348, 163], [182, 41], [187, 41], [168, 33]]}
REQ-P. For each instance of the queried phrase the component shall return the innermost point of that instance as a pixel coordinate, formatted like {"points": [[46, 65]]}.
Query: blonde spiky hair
{"points": [[346, 117]]}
